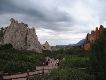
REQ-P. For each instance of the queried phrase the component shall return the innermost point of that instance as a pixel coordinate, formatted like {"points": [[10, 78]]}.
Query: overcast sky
{"points": [[59, 22]]}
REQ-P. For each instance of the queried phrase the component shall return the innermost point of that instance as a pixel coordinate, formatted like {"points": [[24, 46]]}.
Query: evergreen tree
{"points": [[98, 57]]}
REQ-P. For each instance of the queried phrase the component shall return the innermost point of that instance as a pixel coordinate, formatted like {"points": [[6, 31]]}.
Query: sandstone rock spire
{"points": [[46, 46], [21, 37]]}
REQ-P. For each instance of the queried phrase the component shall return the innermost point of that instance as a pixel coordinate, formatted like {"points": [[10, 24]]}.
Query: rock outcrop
{"points": [[20, 36], [46, 46], [91, 38]]}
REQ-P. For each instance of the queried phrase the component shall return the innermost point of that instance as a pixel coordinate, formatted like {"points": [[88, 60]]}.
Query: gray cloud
{"points": [[37, 14]]}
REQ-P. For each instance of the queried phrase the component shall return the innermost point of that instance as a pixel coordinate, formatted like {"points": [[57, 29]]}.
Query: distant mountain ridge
{"points": [[80, 43]]}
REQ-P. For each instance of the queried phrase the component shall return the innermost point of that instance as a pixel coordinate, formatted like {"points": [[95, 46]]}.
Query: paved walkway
{"points": [[52, 64]]}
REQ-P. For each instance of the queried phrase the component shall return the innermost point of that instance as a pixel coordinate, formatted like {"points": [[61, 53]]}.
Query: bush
{"points": [[6, 46], [12, 60], [98, 58]]}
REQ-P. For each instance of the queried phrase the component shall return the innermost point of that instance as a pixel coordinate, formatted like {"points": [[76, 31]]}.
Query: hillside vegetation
{"points": [[13, 61]]}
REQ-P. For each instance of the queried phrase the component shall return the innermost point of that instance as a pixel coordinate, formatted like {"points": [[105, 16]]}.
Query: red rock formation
{"points": [[90, 38]]}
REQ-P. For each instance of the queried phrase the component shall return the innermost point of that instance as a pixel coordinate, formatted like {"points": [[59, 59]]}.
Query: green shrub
{"points": [[12, 60], [6, 46]]}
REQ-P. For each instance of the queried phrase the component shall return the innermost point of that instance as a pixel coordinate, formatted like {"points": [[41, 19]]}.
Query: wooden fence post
{"points": [[27, 74], [43, 69], [1, 75]]}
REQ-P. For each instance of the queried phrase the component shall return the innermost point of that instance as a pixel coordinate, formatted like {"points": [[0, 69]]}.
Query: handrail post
{"points": [[27, 74], [43, 69], [1, 76]]}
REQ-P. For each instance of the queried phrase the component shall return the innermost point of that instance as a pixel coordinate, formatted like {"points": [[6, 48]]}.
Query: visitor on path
{"points": [[57, 62]]}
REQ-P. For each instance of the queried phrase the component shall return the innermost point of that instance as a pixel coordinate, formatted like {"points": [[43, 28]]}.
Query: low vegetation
{"points": [[74, 65], [12, 61]]}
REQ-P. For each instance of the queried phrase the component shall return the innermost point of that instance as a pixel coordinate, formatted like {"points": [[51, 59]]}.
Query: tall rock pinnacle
{"points": [[21, 37], [46, 46]]}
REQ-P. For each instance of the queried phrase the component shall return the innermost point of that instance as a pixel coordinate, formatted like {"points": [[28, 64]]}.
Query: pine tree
{"points": [[98, 57]]}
